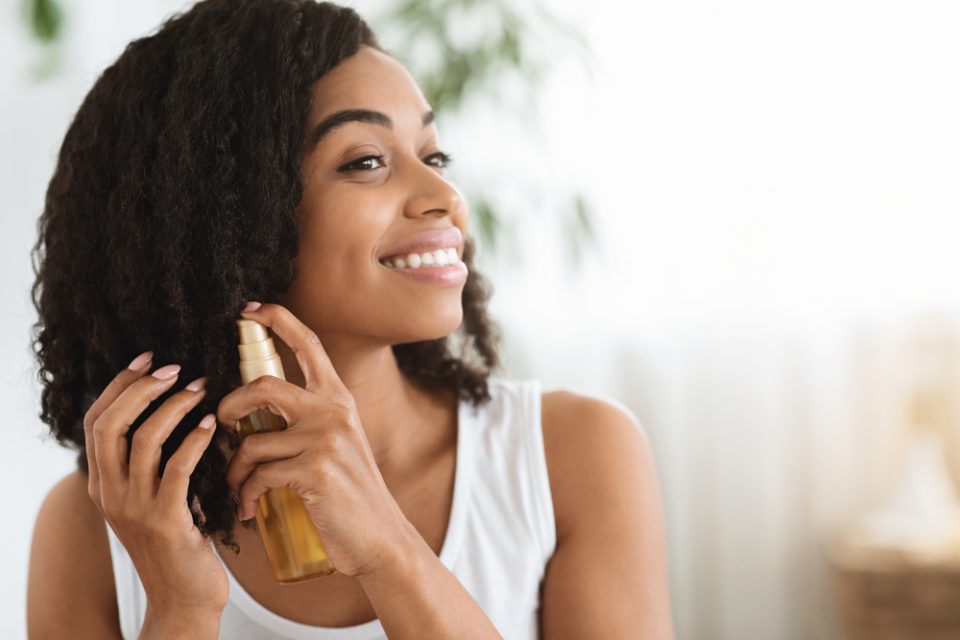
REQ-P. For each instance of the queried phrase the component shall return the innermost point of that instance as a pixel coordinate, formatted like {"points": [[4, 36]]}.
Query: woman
{"points": [[271, 150]]}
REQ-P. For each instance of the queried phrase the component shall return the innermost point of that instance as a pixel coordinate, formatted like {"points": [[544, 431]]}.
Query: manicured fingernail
{"points": [[207, 421], [141, 362], [197, 384], [252, 306], [167, 372]]}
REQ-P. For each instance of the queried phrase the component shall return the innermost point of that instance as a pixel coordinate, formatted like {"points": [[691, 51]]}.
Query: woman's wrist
{"points": [[182, 624], [404, 556]]}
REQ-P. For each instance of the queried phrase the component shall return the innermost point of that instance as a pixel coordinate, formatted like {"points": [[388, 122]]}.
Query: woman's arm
{"points": [[608, 576], [70, 587], [416, 596]]}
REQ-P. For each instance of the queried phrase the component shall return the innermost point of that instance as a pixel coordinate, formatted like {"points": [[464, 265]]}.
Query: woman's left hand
{"points": [[323, 454]]}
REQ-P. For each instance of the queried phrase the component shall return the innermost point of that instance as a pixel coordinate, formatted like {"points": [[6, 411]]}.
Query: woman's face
{"points": [[356, 212]]}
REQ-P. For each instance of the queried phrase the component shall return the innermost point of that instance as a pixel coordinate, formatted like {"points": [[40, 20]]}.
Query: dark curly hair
{"points": [[173, 202]]}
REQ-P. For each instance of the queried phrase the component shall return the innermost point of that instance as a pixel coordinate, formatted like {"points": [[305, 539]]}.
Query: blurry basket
{"points": [[890, 595]]}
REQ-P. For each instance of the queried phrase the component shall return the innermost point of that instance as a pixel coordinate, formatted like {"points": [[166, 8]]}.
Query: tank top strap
{"points": [[514, 458], [131, 597], [532, 427]]}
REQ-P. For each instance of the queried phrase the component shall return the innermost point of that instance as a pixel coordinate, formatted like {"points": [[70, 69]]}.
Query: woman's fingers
{"points": [[147, 443], [176, 475], [318, 370], [268, 475], [257, 448], [109, 430], [134, 371], [278, 396]]}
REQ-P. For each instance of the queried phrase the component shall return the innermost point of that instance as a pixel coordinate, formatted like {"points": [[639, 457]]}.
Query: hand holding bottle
{"points": [[149, 514], [323, 454]]}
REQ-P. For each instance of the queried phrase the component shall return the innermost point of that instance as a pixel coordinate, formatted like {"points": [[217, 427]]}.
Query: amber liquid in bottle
{"points": [[289, 536]]}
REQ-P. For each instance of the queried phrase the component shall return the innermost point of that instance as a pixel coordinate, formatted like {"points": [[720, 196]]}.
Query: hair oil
{"points": [[289, 536]]}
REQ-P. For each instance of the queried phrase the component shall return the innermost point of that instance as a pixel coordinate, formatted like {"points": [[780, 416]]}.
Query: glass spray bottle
{"points": [[289, 536]]}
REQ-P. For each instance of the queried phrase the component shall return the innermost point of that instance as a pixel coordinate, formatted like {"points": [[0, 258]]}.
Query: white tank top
{"points": [[500, 535]]}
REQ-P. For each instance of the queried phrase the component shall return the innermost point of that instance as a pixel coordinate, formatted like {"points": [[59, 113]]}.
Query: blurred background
{"points": [[739, 218]]}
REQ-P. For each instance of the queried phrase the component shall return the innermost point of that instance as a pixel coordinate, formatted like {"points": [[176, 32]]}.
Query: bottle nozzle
{"points": [[251, 331], [258, 354]]}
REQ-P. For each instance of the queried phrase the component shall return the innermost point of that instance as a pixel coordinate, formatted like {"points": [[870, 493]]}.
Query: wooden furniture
{"points": [[895, 594]]}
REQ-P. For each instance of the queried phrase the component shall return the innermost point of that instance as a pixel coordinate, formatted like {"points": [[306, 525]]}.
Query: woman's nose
{"points": [[432, 193]]}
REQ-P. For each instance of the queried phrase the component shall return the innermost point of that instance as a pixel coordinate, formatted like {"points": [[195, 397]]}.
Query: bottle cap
{"points": [[251, 331]]}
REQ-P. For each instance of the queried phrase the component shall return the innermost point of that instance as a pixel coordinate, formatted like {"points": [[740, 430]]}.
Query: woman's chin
{"points": [[435, 329]]}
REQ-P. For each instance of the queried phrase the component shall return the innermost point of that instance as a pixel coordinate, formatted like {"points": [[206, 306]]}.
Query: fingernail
{"points": [[197, 384], [167, 372], [252, 306], [207, 421], [141, 362]]}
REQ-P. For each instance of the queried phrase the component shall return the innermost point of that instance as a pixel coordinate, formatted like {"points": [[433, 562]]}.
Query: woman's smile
{"points": [[448, 275]]}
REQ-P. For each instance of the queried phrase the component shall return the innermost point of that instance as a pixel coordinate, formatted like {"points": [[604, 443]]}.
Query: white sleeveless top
{"points": [[500, 536]]}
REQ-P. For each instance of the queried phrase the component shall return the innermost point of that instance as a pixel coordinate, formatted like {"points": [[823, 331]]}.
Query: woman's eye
{"points": [[355, 165], [445, 158], [360, 163]]}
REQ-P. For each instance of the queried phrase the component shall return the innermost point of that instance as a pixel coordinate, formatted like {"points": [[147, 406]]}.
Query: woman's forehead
{"points": [[371, 80]]}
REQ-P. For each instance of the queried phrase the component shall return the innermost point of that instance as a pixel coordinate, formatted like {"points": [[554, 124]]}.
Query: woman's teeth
{"points": [[438, 258]]}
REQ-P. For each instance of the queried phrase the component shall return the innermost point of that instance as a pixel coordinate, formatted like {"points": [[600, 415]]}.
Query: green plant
{"points": [[45, 19], [45, 22]]}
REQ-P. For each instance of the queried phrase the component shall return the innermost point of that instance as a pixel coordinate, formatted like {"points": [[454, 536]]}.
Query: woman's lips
{"points": [[449, 275], [430, 240]]}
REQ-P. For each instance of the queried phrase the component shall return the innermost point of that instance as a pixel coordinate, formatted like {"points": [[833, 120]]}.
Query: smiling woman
{"points": [[273, 150]]}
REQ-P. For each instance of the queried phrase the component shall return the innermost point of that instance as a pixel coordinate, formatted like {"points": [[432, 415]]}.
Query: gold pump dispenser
{"points": [[289, 536]]}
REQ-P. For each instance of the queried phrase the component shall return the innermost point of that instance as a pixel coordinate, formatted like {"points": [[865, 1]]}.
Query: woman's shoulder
{"points": [[591, 443], [610, 523], [70, 562]]}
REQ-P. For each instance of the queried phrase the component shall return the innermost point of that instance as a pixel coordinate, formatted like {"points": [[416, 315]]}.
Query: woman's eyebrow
{"points": [[340, 118]]}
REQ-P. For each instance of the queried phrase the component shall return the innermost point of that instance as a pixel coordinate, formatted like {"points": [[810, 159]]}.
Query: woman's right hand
{"points": [[149, 514]]}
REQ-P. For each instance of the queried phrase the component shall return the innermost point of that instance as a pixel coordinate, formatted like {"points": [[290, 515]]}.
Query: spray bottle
{"points": [[289, 536]]}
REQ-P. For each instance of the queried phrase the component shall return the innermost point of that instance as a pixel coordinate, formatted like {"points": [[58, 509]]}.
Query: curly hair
{"points": [[173, 201]]}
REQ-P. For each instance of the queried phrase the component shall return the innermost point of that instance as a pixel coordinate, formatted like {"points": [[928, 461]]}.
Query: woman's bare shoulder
{"points": [[70, 586], [581, 435], [610, 528]]}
